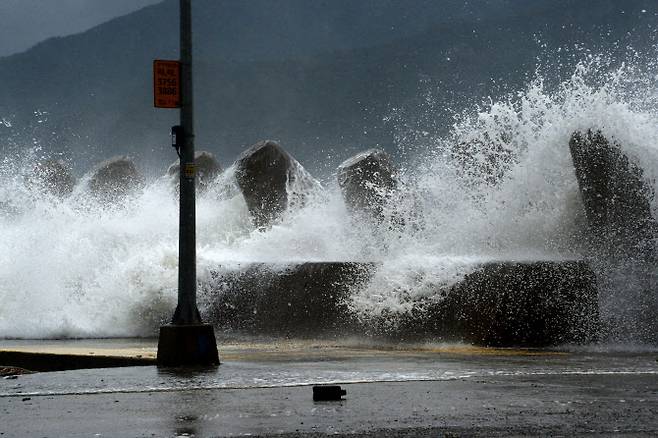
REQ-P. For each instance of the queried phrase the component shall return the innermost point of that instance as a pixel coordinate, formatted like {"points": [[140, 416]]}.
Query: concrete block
{"points": [[529, 304], [616, 198], [187, 346], [366, 181], [54, 177], [114, 179], [305, 299], [207, 169], [265, 172]]}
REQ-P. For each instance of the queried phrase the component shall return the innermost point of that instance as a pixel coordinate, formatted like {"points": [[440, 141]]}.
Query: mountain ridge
{"points": [[332, 102]]}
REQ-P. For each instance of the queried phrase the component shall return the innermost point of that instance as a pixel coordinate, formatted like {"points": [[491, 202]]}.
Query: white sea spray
{"points": [[73, 267]]}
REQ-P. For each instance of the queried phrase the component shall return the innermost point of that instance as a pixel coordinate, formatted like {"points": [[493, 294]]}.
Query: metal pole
{"points": [[187, 311], [187, 342]]}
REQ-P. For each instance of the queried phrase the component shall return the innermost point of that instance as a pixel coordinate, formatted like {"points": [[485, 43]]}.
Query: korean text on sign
{"points": [[166, 84]]}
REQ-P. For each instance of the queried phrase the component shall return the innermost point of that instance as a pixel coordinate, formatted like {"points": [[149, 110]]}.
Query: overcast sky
{"points": [[23, 23]]}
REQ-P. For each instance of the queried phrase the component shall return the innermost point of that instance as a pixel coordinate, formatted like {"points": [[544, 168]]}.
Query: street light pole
{"points": [[187, 311], [187, 341]]}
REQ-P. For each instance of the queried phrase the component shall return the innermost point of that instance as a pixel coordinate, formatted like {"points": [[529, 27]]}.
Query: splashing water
{"points": [[499, 186]]}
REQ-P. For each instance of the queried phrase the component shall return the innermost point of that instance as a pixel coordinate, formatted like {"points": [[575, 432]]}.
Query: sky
{"points": [[24, 23]]}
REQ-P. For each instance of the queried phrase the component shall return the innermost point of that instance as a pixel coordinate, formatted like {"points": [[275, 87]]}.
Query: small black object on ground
{"points": [[9, 372], [328, 393]]}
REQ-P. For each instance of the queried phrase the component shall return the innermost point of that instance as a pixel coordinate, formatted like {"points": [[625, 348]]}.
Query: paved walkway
{"points": [[263, 388]]}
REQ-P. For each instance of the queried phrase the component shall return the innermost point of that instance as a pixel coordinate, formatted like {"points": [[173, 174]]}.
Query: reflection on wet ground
{"points": [[261, 363]]}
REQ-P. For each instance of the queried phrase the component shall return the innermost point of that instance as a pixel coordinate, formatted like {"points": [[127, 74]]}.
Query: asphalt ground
{"points": [[263, 388]]}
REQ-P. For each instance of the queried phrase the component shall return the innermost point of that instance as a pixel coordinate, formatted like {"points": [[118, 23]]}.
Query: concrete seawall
{"points": [[500, 303]]}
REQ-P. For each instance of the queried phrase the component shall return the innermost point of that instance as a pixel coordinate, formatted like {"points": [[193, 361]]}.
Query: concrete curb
{"points": [[41, 361]]}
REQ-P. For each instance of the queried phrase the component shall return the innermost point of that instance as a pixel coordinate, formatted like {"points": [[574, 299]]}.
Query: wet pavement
{"points": [[263, 388]]}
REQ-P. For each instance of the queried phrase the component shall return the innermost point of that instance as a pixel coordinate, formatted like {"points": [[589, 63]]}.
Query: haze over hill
{"points": [[323, 77], [28, 22]]}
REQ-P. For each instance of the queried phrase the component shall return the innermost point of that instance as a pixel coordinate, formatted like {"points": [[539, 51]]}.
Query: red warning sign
{"points": [[166, 84]]}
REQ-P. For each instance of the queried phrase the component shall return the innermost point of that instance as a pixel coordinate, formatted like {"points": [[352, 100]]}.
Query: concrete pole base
{"points": [[187, 346]]}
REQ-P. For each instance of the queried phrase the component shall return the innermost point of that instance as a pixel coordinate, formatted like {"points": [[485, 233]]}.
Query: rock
{"points": [[54, 177], [271, 181], [500, 304], [616, 197], [114, 178], [366, 181], [207, 169]]}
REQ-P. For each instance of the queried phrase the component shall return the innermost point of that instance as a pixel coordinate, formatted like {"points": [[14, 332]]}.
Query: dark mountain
{"points": [[319, 75]]}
